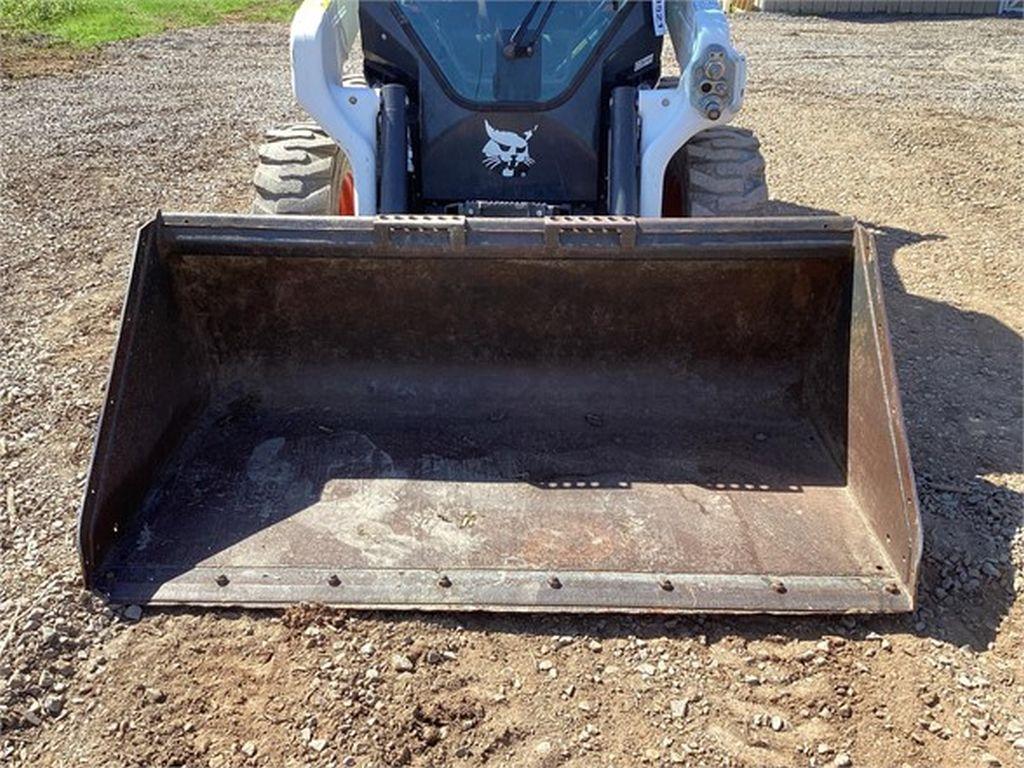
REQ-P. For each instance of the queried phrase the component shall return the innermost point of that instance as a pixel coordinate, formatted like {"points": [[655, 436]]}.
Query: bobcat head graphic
{"points": [[507, 150]]}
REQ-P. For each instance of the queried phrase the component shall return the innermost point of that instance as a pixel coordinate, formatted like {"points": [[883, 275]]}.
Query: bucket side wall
{"points": [[157, 385], [880, 473]]}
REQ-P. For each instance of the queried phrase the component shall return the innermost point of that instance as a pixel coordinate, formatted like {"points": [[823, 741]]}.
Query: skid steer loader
{"points": [[502, 335]]}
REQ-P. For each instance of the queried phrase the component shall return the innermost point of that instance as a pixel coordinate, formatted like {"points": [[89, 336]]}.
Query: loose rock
{"points": [[133, 613], [402, 663], [53, 705]]}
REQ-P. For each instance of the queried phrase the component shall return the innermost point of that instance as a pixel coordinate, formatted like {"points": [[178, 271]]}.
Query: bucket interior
{"points": [[332, 419]]}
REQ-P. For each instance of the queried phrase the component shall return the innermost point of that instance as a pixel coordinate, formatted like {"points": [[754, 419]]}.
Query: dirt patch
{"points": [[21, 57], [912, 144]]}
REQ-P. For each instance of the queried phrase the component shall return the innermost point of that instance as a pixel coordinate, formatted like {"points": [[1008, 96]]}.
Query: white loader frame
{"points": [[323, 34], [670, 118], [324, 31]]}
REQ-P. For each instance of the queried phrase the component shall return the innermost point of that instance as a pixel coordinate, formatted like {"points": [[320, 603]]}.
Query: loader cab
{"points": [[509, 101]]}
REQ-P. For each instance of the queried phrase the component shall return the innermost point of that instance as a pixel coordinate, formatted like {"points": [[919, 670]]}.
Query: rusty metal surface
{"points": [[358, 407], [495, 589], [880, 474]]}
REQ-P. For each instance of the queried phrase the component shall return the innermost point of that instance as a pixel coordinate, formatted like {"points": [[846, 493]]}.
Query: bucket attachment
{"points": [[595, 414]]}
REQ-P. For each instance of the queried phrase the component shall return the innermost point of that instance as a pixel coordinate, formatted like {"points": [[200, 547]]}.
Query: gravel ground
{"points": [[914, 127]]}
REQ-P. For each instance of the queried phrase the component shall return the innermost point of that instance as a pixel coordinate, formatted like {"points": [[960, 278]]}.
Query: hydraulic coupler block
{"points": [[713, 81]]}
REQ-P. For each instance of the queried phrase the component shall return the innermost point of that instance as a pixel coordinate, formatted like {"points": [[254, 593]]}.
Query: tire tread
{"points": [[725, 173], [299, 170]]}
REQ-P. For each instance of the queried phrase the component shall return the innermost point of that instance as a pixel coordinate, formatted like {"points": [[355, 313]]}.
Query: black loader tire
{"points": [[300, 172], [724, 174]]}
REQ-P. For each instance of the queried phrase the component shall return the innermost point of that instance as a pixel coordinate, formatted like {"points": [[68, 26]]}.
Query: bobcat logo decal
{"points": [[507, 150]]}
